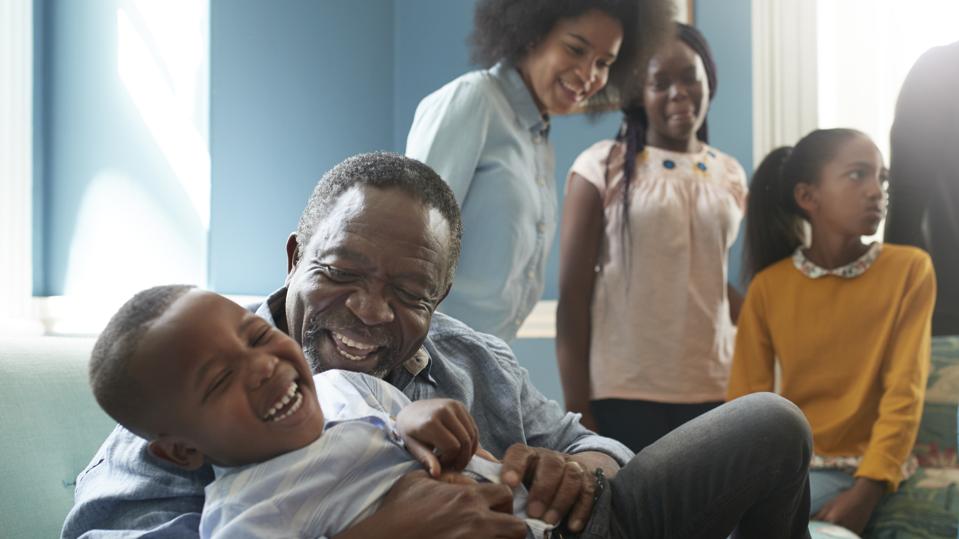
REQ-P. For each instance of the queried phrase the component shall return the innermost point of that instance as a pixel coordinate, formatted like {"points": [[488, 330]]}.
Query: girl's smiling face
{"points": [[676, 96]]}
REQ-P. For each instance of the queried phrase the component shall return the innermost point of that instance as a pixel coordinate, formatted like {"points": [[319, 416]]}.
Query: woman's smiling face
{"points": [[571, 64]]}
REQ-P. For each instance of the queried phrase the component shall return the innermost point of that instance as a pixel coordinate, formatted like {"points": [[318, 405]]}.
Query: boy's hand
{"points": [[439, 433]]}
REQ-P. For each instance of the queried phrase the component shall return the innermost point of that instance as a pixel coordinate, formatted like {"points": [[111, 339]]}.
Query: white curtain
{"points": [[784, 73]]}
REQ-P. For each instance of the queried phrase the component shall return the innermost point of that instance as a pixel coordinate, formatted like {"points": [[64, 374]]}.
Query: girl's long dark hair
{"points": [[632, 131], [774, 222]]}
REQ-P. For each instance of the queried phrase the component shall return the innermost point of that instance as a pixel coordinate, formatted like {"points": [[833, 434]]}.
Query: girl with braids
{"points": [[487, 135], [847, 322], [644, 332]]}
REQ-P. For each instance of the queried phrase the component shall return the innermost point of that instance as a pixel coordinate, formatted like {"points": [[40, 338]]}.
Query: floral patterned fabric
{"points": [[850, 270], [927, 505]]}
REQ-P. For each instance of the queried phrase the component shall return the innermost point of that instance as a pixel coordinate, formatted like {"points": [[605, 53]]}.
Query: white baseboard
{"points": [[541, 323]]}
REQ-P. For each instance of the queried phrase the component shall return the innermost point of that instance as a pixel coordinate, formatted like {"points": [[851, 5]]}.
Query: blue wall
{"points": [[429, 50], [112, 211], [728, 28], [296, 87], [40, 76]]}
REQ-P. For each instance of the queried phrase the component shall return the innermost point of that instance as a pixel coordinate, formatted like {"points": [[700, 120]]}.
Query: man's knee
{"points": [[780, 421]]}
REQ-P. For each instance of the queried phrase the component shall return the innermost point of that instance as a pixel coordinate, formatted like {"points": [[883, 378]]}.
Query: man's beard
{"points": [[321, 323]]}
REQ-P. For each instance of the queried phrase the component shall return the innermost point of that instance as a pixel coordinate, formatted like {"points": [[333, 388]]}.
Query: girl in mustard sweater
{"points": [[847, 322]]}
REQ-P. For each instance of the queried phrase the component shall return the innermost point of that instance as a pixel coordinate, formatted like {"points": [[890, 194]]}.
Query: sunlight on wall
{"points": [[145, 224], [162, 54], [128, 242]]}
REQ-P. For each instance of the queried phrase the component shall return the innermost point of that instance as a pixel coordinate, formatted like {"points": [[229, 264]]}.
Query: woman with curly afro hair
{"points": [[486, 134]]}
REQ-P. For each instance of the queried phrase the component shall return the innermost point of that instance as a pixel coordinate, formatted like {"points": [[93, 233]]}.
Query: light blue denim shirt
{"points": [[125, 492], [483, 134]]}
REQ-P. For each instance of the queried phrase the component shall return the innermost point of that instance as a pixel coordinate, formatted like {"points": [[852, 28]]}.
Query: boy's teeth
{"points": [[293, 408], [283, 401]]}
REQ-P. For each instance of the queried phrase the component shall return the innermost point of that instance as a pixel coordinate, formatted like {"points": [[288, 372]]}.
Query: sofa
{"points": [[51, 427]]}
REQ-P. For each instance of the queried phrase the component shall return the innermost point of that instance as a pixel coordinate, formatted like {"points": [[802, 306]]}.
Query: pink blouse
{"points": [[661, 329]]}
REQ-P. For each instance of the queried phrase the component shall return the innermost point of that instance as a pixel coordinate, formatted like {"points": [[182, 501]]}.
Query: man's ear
{"points": [[292, 253], [448, 288], [176, 451], [807, 197]]}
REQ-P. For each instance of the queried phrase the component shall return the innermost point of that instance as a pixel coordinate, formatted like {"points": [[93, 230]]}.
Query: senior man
{"points": [[373, 256]]}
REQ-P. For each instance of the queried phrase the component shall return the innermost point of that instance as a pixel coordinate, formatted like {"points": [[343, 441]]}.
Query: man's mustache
{"points": [[342, 320]]}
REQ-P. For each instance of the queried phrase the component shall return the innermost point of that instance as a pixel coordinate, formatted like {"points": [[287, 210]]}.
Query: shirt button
{"points": [[540, 181], [531, 275]]}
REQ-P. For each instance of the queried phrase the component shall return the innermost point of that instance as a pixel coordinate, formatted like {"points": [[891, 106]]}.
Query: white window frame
{"points": [[16, 167]]}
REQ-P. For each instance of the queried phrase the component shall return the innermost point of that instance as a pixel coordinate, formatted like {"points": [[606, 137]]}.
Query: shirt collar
{"points": [[849, 271], [273, 310], [520, 99]]}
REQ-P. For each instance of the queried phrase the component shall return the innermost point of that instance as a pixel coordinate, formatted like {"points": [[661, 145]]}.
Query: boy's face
{"points": [[229, 385]]}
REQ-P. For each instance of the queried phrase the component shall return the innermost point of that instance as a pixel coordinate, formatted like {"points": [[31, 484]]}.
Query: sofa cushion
{"points": [[936, 442], [52, 426], [927, 505]]}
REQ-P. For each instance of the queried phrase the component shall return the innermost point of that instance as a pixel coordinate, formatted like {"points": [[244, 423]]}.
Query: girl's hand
{"points": [[852, 508], [439, 433]]}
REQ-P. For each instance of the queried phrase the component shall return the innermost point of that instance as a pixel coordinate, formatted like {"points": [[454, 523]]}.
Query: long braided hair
{"points": [[632, 131]]}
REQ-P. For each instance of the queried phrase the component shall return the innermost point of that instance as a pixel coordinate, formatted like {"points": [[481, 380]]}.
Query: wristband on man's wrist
{"points": [[600, 477]]}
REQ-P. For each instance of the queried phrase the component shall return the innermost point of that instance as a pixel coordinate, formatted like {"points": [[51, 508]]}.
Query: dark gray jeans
{"points": [[740, 470]]}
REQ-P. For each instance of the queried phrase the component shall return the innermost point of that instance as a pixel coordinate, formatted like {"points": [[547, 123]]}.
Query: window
{"points": [[837, 63], [16, 164]]}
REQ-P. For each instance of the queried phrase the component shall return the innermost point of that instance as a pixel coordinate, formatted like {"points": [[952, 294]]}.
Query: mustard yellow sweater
{"points": [[853, 353]]}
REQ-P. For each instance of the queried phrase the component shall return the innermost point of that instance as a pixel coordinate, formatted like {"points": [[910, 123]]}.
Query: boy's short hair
{"points": [[115, 387]]}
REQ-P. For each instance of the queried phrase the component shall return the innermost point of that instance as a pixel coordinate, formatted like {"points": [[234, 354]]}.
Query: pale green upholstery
{"points": [[50, 427]]}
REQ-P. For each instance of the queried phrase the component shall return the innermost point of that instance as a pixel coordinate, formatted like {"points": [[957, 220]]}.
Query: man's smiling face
{"points": [[361, 293]]}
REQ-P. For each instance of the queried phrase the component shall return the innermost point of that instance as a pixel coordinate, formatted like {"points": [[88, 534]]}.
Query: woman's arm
{"points": [[581, 235]]}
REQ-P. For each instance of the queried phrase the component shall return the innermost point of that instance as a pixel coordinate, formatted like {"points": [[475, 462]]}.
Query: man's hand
{"points": [[852, 508], [558, 485], [440, 433], [418, 506]]}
